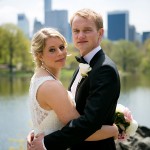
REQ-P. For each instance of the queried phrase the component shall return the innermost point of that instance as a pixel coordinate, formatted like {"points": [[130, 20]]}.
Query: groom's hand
{"points": [[37, 143]]}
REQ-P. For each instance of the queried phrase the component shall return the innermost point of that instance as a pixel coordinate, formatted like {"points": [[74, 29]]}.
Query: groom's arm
{"points": [[100, 104]]}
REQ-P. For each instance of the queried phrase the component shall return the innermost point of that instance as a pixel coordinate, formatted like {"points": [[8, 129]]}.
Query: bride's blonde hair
{"points": [[38, 42]]}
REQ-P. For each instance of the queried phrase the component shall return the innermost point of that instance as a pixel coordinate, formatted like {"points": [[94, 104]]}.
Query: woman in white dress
{"points": [[51, 105]]}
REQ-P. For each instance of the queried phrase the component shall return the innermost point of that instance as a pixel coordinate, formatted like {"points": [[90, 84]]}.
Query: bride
{"points": [[51, 105]]}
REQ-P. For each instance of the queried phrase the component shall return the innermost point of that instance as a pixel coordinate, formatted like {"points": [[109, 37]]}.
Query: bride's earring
{"points": [[42, 63]]}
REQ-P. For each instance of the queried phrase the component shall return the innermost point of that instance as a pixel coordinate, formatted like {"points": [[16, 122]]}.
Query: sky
{"points": [[139, 10]]}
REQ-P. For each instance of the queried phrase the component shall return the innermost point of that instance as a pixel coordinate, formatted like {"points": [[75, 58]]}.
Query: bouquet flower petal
{"points": [[84, 69], [127, 126]]}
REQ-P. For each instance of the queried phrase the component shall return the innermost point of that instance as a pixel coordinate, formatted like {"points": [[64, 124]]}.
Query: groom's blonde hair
{"points": [[89, 14]]}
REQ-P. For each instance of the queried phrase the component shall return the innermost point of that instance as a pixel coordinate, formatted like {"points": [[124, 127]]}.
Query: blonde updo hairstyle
{"points": [[39, 40]]}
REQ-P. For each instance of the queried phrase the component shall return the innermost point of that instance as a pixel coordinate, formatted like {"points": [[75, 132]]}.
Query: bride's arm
{"points": [[52, 95], [105, 132]]}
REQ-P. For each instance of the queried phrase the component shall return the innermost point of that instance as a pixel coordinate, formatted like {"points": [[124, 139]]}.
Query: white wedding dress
{"points": [[42, 120]]}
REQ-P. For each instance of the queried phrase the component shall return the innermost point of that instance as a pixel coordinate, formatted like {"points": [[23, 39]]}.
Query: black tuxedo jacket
{"points": [[96, 99]]}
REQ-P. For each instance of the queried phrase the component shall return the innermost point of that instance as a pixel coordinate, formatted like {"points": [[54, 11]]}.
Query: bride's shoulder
{"points": [[37, 81], [47, 83], [41, 77]]}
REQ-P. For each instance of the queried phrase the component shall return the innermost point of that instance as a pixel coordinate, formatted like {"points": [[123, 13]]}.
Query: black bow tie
{"points": [[80, 60]]}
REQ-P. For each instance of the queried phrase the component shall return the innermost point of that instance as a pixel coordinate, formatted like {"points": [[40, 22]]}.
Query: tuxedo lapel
{"points": [[97, 59], [94, 60], [79, 84]]}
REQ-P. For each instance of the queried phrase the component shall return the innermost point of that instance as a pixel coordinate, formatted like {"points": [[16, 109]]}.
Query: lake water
{"points": [[15, 122]]}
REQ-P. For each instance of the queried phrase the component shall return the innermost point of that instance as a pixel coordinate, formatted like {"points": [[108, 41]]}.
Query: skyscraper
{"points": [[118, 25], [23, 24], [57, 19], [47, 9], [37, 25], [132, 33], [145, 36]]}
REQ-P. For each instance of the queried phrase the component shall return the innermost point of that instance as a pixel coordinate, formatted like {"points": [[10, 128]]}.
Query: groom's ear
{"points": [[101, 32]]}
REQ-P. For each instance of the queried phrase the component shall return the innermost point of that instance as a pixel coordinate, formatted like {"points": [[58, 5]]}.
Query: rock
{"points": [[140, 141]]}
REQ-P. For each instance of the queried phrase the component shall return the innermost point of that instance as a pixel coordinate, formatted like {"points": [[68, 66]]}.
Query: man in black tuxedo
{"points": [[96, 94]]}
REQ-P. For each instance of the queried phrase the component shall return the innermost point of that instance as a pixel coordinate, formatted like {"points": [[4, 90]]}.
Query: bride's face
{"points": [[54, 53]]}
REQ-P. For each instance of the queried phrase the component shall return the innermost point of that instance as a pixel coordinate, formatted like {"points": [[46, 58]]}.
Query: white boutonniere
{"points": [[84, 69]]}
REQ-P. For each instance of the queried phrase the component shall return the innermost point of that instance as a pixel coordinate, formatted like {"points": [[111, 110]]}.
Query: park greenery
{"points": [[15, 56]]}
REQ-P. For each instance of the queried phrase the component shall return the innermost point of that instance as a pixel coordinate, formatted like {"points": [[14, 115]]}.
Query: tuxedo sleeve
{"points": [[99, 109]]}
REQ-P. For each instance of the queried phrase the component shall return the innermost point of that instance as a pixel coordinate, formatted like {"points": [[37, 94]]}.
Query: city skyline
{"points": [[138, 10]]}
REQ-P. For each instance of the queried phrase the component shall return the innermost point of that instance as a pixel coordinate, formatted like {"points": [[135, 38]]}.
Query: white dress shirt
{"points": [[78, 78]]}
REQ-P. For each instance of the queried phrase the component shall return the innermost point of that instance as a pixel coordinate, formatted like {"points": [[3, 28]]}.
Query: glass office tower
{"points": [[118, 25]]}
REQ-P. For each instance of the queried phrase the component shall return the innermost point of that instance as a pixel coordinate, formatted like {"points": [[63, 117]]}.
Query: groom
{"points": [[96, 94]]}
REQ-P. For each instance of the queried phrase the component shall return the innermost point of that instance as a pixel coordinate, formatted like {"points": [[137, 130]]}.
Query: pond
{"points": [[15, 122]]}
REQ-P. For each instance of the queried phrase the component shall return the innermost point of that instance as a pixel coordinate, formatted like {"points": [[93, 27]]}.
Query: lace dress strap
{"points": [[36, 82], [37, 112]]}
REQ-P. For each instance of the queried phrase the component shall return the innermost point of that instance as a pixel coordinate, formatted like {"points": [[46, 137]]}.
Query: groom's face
{"points": [[86, 37]]}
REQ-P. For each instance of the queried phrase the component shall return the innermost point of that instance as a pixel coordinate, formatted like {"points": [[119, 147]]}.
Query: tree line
{"points": [[130, 57]]}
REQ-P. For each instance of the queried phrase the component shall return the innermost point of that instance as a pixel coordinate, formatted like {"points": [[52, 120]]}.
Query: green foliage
{"points": [[14, 48], [125, 54], [71, 63], [145, 60], [66, 76], [108, 47]]}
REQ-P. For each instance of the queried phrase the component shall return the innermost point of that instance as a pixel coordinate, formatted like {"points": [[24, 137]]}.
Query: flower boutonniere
{"points": [[84, 69], [124, 120]]}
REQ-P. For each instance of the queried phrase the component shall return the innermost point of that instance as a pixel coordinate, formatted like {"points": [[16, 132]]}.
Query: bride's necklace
{"points": [[49, 72]]}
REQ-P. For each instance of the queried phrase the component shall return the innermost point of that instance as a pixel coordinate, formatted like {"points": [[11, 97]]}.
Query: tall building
{"points": [[23, 24], [145, 36], [47, 9], [58, 19], [37, 26], [132, 33], [138, 37], [118, 25]]}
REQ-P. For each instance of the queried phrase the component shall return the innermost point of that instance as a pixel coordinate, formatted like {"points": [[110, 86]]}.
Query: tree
{"points": [[145, 60], [108, 47], [71, 63], [126, 56], [14, 47]]}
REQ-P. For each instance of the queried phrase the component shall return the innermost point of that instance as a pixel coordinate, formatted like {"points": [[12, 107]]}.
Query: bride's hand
{"points": [[37, 143], [30, 138], [117, 132]]}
